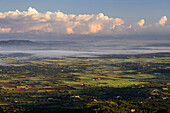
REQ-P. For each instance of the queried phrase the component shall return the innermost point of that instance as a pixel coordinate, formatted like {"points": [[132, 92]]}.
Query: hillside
{"points": [[17, 42]]}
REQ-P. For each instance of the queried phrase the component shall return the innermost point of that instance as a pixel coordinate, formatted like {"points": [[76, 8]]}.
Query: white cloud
{"points": [[61, 23], [32, 11], [163, 20], [104, 23], [58, 22], [141, 23], [95, 27], [84, 17]]}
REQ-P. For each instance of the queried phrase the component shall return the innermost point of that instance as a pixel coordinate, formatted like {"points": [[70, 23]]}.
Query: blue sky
{"points": [[116, 16], [127, 9]]}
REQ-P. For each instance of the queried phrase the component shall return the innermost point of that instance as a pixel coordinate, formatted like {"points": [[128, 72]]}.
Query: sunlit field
{"points": [[82, 83]]}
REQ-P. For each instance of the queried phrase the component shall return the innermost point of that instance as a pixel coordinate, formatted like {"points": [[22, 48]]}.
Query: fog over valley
{"points": [[86, 45]]}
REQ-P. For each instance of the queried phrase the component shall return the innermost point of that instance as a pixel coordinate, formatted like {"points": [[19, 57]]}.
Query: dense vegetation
{"points": [[113, 83]]}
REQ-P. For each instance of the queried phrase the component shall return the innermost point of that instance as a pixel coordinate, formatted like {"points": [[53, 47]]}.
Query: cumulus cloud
{"points": [[32, 20], [69, 30], [163, 20], [104, 23], [141, 23], [32, 11], [84, 17], [95, 27], [61, 23]]}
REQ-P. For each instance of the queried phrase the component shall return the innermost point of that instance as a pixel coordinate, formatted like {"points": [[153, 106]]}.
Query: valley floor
{"points": [[110, 83]]}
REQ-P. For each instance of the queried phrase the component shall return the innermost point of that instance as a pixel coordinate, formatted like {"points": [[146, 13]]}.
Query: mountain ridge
{"points": [[17, 42]]}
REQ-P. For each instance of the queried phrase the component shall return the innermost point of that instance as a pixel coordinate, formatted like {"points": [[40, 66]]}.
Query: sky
{"points": [[84, 17]]}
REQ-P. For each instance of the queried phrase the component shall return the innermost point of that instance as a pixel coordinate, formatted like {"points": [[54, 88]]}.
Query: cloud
{"points": [[95, 27], [163, 20], [104, 23], [5, 30], [70, 30], [84, 17], [141, 23], [32, 11], [32, 21], [129, 27]]}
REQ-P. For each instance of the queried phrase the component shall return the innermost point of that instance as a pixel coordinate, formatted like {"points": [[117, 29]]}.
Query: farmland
{"points": [[110, 83]]}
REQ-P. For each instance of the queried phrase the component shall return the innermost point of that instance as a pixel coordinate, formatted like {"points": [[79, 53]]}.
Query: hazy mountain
{"points": [[17, 42]]}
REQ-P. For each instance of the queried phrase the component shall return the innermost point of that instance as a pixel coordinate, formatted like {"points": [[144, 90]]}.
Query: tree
{"points": [[1, 110], [162, 111]]}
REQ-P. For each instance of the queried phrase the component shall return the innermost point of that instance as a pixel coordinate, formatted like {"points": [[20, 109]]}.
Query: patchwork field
{"points": [[29, 81]]}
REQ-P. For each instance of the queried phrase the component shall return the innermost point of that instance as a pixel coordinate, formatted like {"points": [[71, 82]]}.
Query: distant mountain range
{"points": [[32, 43], [15, 55], [17, 42]]}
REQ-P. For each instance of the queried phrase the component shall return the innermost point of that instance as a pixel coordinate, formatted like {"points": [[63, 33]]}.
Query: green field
{"points": [[38, 79]]}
